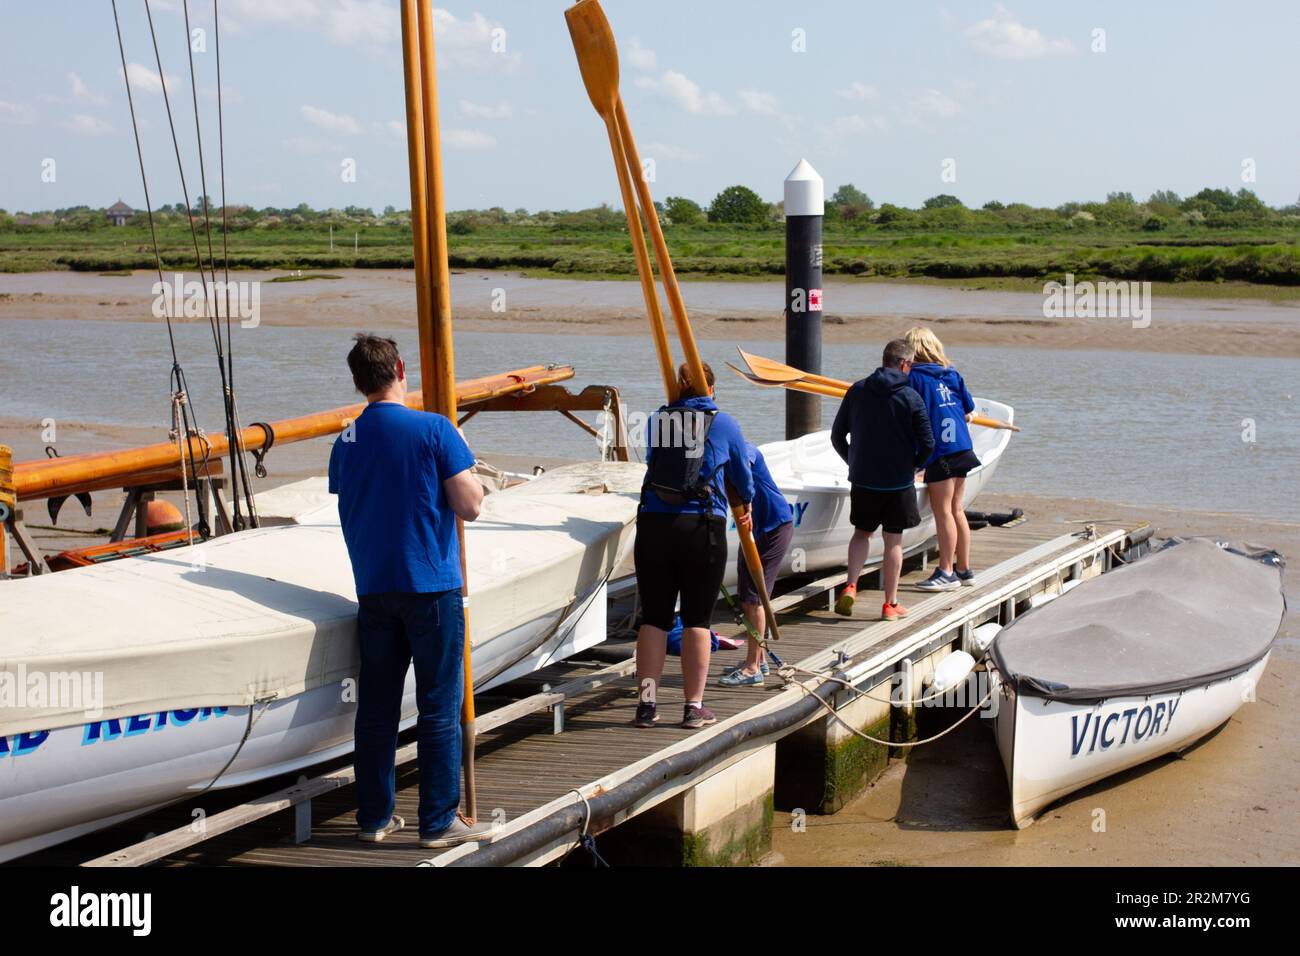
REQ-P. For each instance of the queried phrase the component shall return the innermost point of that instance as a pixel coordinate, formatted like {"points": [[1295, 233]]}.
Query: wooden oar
{"points": [[769, 373], [593, 42], [437, 358]]}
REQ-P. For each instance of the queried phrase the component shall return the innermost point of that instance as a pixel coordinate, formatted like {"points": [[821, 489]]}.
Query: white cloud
{"points": [[670, 152], [18, 113], [396, 127], [931, 104], [640, 57], [686, 93], [479, 111], [83, 93], [758, 102], [468, 139], [87, 125], [1003, 36], [143, 78], [334, 122], [474, 43], [858, 90]]}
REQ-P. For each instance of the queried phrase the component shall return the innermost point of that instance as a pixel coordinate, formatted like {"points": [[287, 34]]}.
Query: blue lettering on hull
{"points": [[1138, 723]]}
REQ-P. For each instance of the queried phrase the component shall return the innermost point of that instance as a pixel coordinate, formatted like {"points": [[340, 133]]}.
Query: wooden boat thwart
{"points": [[235, 660], [1144, 661]]}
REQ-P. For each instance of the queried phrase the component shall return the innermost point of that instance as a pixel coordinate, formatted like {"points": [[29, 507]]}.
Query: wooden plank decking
{"points": [[523, 765]]}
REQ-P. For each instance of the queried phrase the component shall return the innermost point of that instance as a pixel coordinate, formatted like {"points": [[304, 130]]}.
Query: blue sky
{"points": [[881, 96]]}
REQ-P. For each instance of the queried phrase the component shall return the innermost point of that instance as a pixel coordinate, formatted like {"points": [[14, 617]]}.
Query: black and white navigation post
{"points": [[805, 207]]}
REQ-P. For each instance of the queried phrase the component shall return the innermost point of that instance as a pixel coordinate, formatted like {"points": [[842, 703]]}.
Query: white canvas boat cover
{"points": [[1195, 611], [271, 612]]}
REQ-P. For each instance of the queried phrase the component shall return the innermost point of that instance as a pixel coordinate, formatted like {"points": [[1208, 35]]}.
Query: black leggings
{"points": [[679, 554]]}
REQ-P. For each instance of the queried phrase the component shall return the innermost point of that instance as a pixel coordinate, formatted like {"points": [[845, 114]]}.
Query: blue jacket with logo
{"points": [[947, 403]]}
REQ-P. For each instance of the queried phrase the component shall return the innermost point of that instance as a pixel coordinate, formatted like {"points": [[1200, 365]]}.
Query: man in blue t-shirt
{"points": [[403, 477]]}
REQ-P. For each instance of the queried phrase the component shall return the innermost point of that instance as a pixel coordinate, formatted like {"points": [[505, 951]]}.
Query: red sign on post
{"points": [[814, 300]]}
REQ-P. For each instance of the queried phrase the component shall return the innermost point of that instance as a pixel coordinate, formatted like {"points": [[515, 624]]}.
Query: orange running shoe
{"points": [[844, 606], [892, 612]]}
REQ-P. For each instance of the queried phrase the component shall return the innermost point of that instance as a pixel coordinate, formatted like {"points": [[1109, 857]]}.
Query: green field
{"points": [[937, 244]]}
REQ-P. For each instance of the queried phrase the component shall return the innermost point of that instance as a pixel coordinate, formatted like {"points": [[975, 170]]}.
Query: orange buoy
{"points": [[163, 516]]}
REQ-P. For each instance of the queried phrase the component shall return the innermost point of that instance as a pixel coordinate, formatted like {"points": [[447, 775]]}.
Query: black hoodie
{"points": [[887, 431]]}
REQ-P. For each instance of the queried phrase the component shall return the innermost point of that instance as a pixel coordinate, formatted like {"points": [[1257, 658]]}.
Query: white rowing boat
{"points": [[235, 660], [1141, 662]]}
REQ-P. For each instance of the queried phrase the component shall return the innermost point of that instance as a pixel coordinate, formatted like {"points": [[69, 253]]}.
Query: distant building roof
{"points": [[122, 207]]}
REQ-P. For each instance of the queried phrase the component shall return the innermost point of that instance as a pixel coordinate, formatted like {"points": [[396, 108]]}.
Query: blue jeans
{"points": [[394, 630]]}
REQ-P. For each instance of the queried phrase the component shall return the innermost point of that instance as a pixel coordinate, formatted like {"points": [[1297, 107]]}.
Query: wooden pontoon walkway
{"points": [[525, 765]]}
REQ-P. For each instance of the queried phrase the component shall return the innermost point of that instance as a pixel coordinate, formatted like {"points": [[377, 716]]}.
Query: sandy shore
{"points": [[857, 311], [1232, 800]]}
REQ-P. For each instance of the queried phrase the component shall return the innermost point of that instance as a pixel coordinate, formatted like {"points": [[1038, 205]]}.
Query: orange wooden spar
{"points": [[437, 357], [46, 477]]}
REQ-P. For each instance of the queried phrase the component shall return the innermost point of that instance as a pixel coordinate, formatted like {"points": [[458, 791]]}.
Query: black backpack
{"points": [[678, 436]]}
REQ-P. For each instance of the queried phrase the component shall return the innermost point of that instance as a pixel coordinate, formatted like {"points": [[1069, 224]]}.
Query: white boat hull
{"points": [[64, 782], [1053, 748]]}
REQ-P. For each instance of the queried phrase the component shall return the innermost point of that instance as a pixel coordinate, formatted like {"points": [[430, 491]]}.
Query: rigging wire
{"points": [[238, 437], [214, 316], [181, 424]]}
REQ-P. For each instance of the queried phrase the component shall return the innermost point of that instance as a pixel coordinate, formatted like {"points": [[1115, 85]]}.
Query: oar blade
{"points": [[593, 42], [753, 379], [770, 370]]}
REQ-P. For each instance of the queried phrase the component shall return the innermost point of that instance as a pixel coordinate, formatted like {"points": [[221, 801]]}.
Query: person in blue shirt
{"points": [[681, 541], [403, 478], [773, 526], [949, 405]]}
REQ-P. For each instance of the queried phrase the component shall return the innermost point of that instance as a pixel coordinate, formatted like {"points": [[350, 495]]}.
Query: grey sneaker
{"points": [[967, 578], [741, 666], [738, 678], [693, 718], [939, 581], [460, 831], [394, 824]]}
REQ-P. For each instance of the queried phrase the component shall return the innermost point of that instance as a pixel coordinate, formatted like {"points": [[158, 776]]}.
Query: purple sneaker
{"points": [[693, 717], [646, 715]]}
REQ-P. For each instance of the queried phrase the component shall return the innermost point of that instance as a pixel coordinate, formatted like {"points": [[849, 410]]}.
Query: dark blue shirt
{"points": [[398, 525], [771, 510], [725, 458], [947, 402]]}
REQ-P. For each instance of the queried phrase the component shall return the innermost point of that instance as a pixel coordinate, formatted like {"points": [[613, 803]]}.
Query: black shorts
{"points": [[772, 548], [896, 511], [957, 465], [679, 555]]}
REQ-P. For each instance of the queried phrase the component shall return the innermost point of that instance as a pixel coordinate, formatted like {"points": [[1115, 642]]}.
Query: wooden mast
{"points": [[429, 228]]}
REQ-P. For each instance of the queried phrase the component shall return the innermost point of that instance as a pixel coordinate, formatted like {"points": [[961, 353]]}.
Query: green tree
{"points": [[738, 204], [941, 201], [994, 206], [682, 211], [1120, 199], [851, 195], [1165, 197]]}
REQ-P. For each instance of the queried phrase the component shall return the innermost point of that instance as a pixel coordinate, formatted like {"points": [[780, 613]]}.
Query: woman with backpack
{"points": [[692, 452], [949, 405]]}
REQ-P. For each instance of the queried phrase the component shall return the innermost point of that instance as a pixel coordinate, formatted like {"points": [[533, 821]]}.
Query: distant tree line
{"points": [[848, 208]]}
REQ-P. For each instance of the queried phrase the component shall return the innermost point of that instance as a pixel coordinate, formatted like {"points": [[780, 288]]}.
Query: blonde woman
{"points": [[949, 405]]}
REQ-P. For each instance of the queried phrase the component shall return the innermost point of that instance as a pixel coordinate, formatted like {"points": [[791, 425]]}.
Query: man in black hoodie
{"points": [[883, 432]]}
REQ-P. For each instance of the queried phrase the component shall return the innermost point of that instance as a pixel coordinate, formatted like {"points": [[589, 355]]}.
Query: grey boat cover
{"points": [[1194, 611]]}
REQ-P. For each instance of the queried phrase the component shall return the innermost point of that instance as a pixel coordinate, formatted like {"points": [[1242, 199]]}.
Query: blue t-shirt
{"points": [[724, 459], [398, 525], [947, 402], [771, 510]]}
